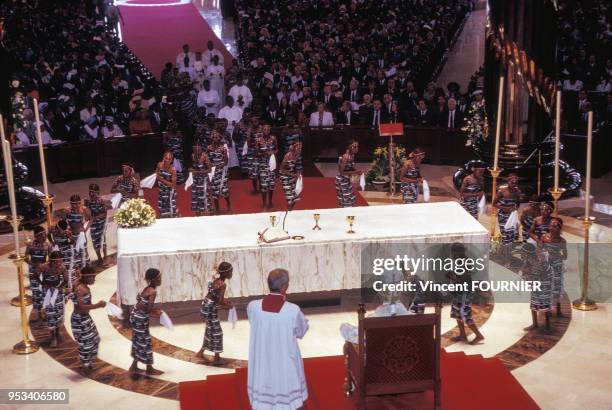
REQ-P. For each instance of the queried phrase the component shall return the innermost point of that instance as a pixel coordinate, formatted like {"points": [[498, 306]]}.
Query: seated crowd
{"points": [[585, 62], [88, 84]]}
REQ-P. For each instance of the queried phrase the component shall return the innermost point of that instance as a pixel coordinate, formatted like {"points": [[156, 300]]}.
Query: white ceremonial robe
{"points": [[276, 379], [216, 76], [209, 100], [241, 90], [233, 116]]}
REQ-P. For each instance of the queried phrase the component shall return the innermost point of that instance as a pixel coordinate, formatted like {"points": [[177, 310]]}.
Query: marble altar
{"points": [[187, 249]]}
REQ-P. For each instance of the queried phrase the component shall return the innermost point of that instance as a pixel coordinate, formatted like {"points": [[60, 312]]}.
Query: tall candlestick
{"points": [[587, 199], [8, 166], [41, 152], [557, 138], [498, 126]]}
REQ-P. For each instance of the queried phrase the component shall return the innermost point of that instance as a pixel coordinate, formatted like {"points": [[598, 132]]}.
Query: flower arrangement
{"points": [[135, 213], [379, 169], [476, 124]]}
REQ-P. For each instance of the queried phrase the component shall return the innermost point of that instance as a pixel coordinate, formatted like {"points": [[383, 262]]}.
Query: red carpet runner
{"points": [[157, 33], [468, 382], [318, 193]]}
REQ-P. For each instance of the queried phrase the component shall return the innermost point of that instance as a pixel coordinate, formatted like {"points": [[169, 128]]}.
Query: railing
{"points": [[100, 158]]}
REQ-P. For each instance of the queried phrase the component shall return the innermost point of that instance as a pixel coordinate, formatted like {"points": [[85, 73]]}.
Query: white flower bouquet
{"points": [[135, 213]]}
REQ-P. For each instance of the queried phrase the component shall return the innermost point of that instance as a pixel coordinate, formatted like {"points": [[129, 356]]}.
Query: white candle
{"points": [[8, 166], [557, 138], [587, 199], [41, 152], [498, 127]]}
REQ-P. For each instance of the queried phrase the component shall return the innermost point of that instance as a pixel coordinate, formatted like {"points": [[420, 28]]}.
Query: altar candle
{"points": [[498, 128], [41, 152], [557, 138], [587, 199], [8, 166]]}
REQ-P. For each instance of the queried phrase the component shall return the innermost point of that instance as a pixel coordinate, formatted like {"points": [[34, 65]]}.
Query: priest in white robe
{"points": [[208, 99], [276, 378], [232, 113], [239, 89]]}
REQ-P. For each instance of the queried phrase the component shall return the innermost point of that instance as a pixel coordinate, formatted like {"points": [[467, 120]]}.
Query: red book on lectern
{"points": [[391, 129]]}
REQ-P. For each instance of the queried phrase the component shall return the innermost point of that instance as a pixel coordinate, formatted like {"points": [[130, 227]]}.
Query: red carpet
{"points": [[468, 382], [157, 33], [318, 193]]}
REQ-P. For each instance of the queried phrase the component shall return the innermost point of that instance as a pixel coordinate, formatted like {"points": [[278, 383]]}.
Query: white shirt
{"points": [[276, 377], [215, 71], [180, 59], [208, 55], [243, 90], [233, 115], [316, 121], [210, 100], [24, 140]]}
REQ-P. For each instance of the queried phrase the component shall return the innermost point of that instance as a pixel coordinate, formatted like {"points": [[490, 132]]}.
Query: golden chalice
{"points": [[273, 220], [316, 218], [351, 220]]}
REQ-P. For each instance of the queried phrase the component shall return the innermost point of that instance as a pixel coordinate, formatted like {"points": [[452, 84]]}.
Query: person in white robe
{"points": [[215, 73], [276, 379], [232, 113], [210, 52], [185, 60], [239, 89], [209, 99], [199, 70]]}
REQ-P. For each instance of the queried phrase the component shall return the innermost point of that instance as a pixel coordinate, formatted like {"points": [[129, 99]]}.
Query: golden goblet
{"points": [[273, 220], [351, 220], [316, 218]]}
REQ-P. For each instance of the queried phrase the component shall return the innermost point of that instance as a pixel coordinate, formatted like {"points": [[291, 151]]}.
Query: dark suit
{"points": [[446, 120], [347, 96], [347, 118], [426, 118], [382, 118], [274, 118]]}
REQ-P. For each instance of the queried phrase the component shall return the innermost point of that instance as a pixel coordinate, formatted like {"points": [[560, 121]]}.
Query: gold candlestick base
{"points": [[16, 301], [26, 347], [493, 231], [584, 303], [556, 193]]}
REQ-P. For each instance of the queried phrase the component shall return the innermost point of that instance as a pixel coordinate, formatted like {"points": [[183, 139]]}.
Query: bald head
{"points": [[278, 280]]}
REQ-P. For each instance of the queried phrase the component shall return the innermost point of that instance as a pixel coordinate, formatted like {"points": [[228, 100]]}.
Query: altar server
{"points": [[472, 189], [410, 176], [200, 168], [36, 255], [142, 349], [346, 169], [265, 149], [289, 174], [127, 184], [83, 327], [219, 157], [61, 239], [79, 220], [166, 181], [557, 254], [215, 298], [98, 208], [55, 280], [276, 372], [216, 75]]}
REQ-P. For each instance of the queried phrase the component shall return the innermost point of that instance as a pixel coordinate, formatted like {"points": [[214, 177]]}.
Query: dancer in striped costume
{"points": [[201, 135], [79, 220], [346, 169], [173, 142], [98, 208], [461, 308], [537, 267], [218, 155], [252, 166], [289, 173], [541, 225], [239, 137], [410, 176], [61, 239], [215, 298], [166, 181], [472, 190], [55, 279], [557, 251], [291, 134], [127, 184], [83, 327], [265, 148], [507, 200], [142, 349], [200, 168], [529, 215], [36, 255]]}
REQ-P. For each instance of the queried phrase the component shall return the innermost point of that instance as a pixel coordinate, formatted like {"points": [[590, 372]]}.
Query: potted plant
{"points": [[378, 174]]}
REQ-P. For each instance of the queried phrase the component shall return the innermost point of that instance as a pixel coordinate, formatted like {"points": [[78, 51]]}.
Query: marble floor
{"points": [[569, 371], [224, 29]]}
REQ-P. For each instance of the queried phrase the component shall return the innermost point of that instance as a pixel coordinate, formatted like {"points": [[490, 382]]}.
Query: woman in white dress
{"points": [[216, 75]]}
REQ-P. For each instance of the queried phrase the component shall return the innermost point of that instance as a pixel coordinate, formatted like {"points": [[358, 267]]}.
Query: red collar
{"points": [[272, 303]]}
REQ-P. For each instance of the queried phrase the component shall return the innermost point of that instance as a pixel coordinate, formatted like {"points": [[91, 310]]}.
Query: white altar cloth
{"points": [[187, 249]]}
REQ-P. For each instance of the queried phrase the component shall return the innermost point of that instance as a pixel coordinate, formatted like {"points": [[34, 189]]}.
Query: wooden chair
{"points": [[395, 355]]}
